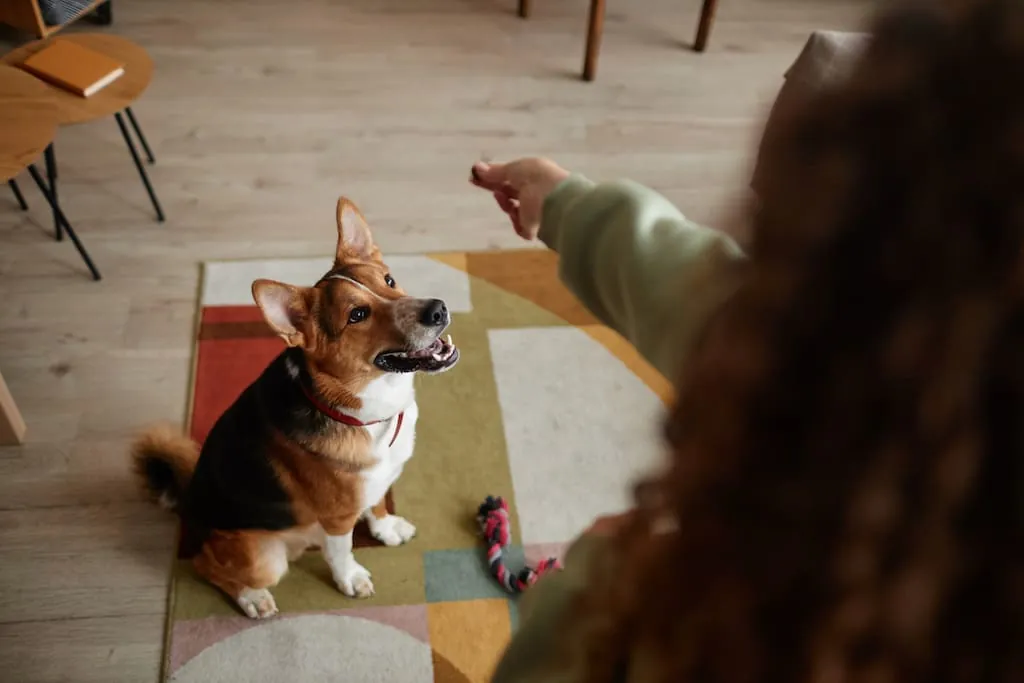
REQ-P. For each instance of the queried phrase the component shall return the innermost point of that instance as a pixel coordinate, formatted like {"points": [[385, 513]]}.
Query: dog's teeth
{"points": [[448, 338]]}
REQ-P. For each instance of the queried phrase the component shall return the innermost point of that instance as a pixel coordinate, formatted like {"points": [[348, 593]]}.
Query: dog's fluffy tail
{"points": [[164, 460]]}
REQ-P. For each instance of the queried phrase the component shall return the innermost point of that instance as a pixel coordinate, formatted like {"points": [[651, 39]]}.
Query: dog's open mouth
{"points": [[438, 357]]}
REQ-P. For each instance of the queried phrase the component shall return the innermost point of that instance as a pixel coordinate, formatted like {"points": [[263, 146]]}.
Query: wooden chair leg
{"points": [[12, 426], [595, 30], [707, 17], [524, 9]]}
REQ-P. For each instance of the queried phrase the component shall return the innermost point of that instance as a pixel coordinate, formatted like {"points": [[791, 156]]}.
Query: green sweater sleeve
{"points": [[655, 277], [639, 265], [548, 647]]}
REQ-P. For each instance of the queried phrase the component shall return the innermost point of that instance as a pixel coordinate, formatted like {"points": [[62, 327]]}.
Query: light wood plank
{"points": [[86, 561], [107, 650]]}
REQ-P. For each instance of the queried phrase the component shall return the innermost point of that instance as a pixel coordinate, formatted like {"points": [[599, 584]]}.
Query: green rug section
{"points": [[460, 454], [308, 586]]}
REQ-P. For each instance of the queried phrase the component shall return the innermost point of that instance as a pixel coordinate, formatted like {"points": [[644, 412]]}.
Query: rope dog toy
{"points": [[497, 532]]}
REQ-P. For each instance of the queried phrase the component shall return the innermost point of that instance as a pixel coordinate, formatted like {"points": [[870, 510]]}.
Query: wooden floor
{"points": [[261, 113]]}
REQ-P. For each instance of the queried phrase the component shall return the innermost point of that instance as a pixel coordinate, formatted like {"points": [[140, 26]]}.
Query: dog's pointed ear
{"points": [[354, 237], [284, 307]]}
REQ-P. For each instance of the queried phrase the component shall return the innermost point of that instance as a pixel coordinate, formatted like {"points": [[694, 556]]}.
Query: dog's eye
{"points": [[389, 281], [358, 315]]}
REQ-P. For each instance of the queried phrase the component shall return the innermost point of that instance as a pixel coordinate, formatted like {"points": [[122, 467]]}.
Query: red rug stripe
{"points": [[232, 314]]}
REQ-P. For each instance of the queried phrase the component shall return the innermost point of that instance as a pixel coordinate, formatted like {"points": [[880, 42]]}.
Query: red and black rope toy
{"points": [[497, 532]]}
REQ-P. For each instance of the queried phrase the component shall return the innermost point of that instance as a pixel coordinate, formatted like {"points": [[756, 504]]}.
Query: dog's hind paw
{"points": [[392, 530], [257, 604]]}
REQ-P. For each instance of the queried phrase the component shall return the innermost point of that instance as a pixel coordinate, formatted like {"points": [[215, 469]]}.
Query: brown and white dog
{"points": [[313, 444]]}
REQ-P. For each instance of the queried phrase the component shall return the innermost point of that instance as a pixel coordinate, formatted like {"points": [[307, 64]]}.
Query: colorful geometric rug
{"points": [[546, 407]]}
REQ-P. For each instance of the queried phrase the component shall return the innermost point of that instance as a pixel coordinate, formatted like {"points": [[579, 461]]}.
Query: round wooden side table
{"points": [[113, 100], [28, 124]]}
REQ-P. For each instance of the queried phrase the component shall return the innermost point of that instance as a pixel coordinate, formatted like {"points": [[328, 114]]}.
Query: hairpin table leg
{"points": [[17, 194], [52, 201], [139, 166], [104, 14], [51, 178], [138, 134]]}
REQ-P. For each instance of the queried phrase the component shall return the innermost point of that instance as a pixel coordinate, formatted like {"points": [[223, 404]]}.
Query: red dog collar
{"points": [[344, 418]]}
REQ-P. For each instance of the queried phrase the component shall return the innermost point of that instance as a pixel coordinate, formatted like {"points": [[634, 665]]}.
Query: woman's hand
{"points": [[520, 188]]}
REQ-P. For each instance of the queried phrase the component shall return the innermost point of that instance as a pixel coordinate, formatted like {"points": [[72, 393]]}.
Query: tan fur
{"points": [[346, 448], [302, 538], [380, 510], [316, 315], [325, 494], [323, 490], [237, 560], [371, 252], [341, 371]]}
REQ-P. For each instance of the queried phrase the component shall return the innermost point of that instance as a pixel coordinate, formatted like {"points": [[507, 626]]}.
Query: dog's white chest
{"points": [[391, 455]]}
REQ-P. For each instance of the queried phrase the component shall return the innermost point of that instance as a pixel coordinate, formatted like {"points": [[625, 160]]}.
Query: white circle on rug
{"points": [[313, 648]]}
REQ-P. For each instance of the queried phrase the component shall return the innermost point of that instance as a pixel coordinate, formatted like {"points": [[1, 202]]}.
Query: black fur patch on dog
{"points": [[235, 486], [160, 478]]}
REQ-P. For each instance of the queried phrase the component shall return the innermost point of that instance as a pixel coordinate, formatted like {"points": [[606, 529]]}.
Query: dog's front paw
{"points": [[257, 604], [392, 530], [354, 581]]}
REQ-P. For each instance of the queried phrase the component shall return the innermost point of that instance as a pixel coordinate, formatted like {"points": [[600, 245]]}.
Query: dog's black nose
{"points": [[435, 313]]}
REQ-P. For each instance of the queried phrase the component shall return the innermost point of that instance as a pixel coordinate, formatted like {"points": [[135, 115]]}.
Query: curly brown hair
{"points": [[847, 483]]}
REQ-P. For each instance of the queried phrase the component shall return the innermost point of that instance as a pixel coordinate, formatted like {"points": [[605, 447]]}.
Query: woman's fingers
{"points": [[507, 204], [489, 176], [520, 188], [510, 206]]}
